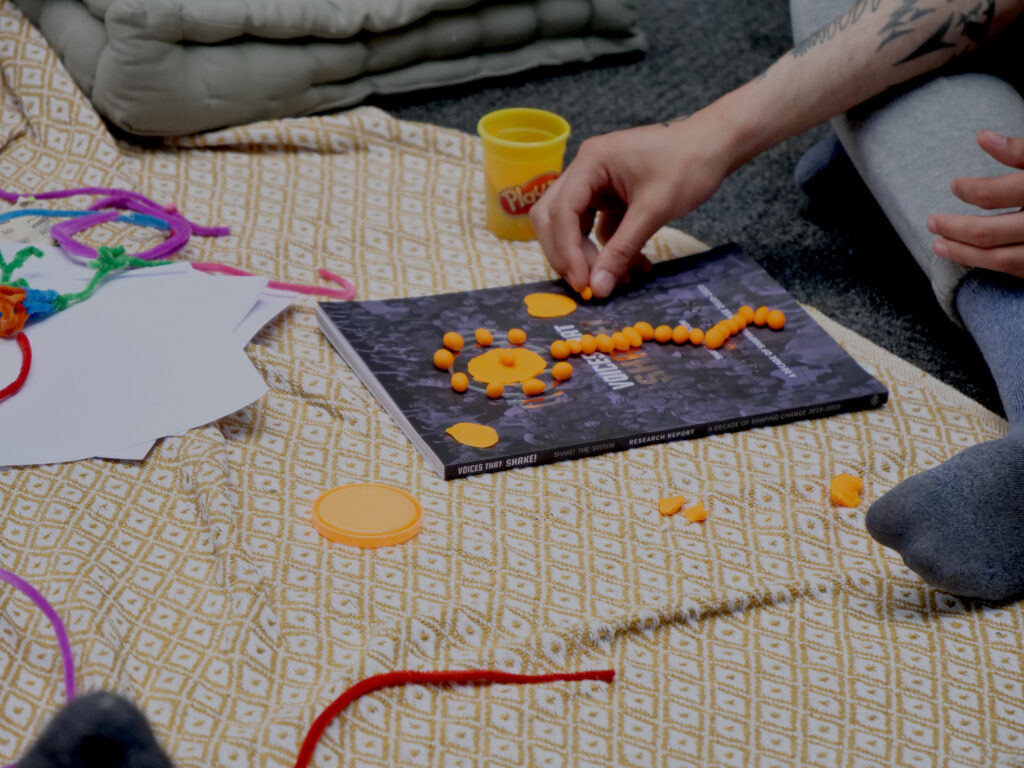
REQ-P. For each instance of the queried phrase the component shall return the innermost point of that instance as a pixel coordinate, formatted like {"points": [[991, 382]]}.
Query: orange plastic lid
{"points": [[367, 515]]}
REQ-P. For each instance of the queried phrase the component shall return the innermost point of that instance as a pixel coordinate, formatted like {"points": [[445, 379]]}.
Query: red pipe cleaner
{"points": [[26, 363], [345, 294], [406, 677]]}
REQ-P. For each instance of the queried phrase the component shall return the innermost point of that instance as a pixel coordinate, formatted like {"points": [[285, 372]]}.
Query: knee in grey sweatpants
{"points": [[910, 143]]}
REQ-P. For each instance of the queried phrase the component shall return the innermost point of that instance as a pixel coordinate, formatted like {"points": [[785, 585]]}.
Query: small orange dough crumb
{"points": [[460, 382], [587, 293], [561, 371], [669, 505], [559, 349], [507, 357], [741, 321], [604, 343], [575, 347], [663, 334], [588, 344], [483, 337], [845, 490], [444, 359], [761, 316], [696, 513], [716, 337], [619, 341], [475, 435], [776, 320], [645, 329], [696, 336], [495, 390], [633, 335], [453, 341], [532, 387], [747, 313], [680, 334], [517, 336]]}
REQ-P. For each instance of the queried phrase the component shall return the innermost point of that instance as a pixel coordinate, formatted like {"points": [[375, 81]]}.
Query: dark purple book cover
{"points": [[615, 401]]}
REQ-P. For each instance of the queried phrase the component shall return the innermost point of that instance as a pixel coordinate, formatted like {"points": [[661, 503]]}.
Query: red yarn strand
{"points": [[26, 363]]}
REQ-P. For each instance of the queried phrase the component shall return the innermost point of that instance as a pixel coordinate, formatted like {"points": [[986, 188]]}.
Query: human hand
{"points": [[993, 242], [629, 183]]}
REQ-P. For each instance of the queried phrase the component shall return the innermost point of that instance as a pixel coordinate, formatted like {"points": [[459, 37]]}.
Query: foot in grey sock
{"points": [[960, 525]]}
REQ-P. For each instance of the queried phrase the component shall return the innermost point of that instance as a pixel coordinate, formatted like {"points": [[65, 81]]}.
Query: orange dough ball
{"points": [[460, 382], [663, 333], [444, 359], [495, 390], [741, 321], [776, 320], [483, 337], [588, 344], [696, 336], [845, 490], [696, 513], [633, 335], [587, 293], [747, 313], [575, 347], [533, 387], [645, 329], [761, 316], [453, 341], [620, 341], [680, 334], [507, 357], [716, 337], [561, 371], [733, 325], [559, 349], [604, 342], [517, 336]]}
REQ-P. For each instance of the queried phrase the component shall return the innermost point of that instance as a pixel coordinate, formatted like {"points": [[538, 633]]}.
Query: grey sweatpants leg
{"points": [[910, 144]]}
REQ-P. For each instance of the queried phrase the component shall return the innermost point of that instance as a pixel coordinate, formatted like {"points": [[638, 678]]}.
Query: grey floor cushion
{"points": [[172, 67]]}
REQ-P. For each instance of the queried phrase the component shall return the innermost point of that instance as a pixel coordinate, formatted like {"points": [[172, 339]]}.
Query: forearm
{"points": [[874, 46]]}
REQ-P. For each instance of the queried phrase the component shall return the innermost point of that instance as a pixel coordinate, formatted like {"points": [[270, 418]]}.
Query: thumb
{"points": [[621, 250], [1007, 150]]}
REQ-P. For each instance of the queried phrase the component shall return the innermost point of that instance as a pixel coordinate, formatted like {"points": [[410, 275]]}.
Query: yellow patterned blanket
{"points": [[777, 633]]}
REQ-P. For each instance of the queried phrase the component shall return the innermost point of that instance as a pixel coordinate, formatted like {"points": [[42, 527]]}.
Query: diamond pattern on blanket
{"points": [[775, 633]]}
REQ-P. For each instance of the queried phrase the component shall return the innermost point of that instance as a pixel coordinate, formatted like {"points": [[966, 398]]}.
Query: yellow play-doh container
{"points": [[523, 153]]}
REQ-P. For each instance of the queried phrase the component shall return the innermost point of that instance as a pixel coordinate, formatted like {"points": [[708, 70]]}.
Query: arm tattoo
{"points": [[668, 123], [833, 28], [972, 26]]}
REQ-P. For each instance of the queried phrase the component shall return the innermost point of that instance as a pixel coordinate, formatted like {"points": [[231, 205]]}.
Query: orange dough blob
{"points": [[776, 320], [716, 337], [561, 371], [483, 337], [533, 387], [845, 490], [645, 329], [761, 316], [523, 364], [575, 347], [663, 333], [560, 349], [444, 359], [475, 435], [588, 344], [741, 321], [517, 336], [587, 293], [620, 341], [453, 341], [696, 513], [747, 313], [495, 390], [696, 336], [604, 343], [549, 305], [460, 382], [680, 334], [670, 505], [633, 335]]}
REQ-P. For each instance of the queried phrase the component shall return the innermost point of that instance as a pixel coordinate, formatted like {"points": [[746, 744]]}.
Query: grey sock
{"points": [[960, 525]]}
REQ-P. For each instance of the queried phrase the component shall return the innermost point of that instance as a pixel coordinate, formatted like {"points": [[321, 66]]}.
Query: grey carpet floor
{"points": [[834, 251]]}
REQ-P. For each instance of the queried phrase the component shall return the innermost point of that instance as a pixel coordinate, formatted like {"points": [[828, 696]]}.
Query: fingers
{"points": [[993, 193], [622, 251], [1008, 150], [980, 231], [1005, 258]]}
